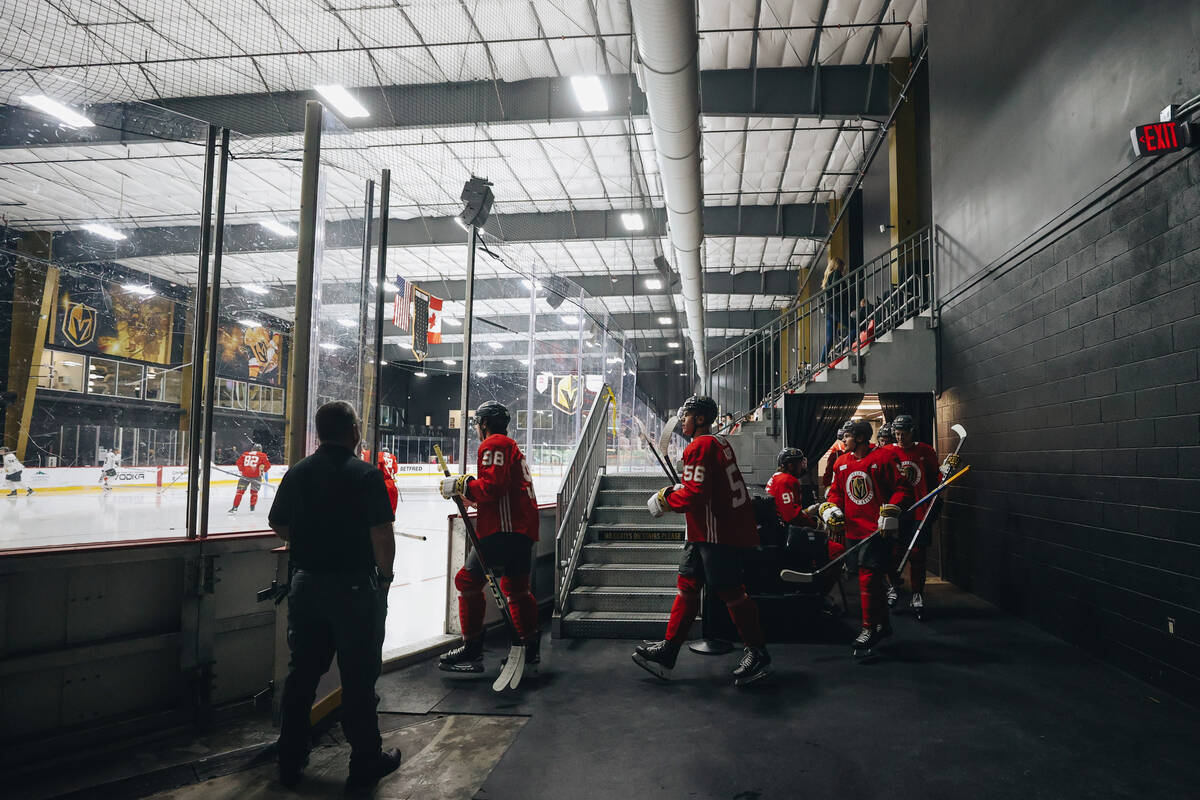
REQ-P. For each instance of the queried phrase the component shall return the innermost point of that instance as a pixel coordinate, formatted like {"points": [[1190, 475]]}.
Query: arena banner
{"points": [[249, 352], [99, 316]]}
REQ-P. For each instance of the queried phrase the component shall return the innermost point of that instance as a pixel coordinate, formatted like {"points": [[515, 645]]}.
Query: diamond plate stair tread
{"points": [[624, 590], [613, 616], [631, 546], [629, 567], [639, 526]]}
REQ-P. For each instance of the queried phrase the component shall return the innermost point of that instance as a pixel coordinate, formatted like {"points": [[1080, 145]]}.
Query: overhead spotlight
{"points": [[477, 198], [277, 227], [633, 221], [481, 374], [589, 91], [654, 284], [64, 114], [673, 345], [679, 361], [665, 320], [450, 362], [421, 374], [105, 231], [342, 101]]}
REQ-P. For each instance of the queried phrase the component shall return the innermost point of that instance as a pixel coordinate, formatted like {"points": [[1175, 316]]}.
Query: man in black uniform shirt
{"points": [[332, 509]]}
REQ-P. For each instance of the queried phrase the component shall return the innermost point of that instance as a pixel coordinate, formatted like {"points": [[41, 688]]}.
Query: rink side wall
{"points": [[1070, 353]]}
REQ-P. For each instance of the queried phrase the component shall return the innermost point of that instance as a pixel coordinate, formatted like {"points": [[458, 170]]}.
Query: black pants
{"points": [[505, 552], [330, 614]]}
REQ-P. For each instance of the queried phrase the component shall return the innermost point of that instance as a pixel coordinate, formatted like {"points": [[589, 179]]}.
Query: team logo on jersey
{"points": [[860, 487], [79, 324], [911, 472]]}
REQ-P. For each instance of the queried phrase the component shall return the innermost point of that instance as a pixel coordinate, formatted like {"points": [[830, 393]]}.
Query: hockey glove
{"points": [[455, 485], [948, 465], [889, 519], [658, 502]]}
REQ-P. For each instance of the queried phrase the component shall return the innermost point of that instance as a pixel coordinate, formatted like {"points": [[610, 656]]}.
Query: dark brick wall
{"points": [[1076, 372]]}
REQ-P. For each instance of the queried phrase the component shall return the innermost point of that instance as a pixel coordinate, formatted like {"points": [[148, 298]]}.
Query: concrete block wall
{"points": [[1077, 375]]}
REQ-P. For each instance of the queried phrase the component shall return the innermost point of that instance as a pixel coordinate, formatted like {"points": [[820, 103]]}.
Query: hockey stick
{"points": [[514, 667], [664, 441], [650, 446], [793, 576], [418, 537], [962, 437]]}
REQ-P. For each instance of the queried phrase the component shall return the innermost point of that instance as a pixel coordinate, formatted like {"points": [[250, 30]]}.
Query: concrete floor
{"points": [[970, 703]]}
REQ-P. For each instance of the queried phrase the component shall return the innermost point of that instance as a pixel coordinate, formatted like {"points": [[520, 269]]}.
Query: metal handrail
{"points": [[784, 354], [586, 460]]}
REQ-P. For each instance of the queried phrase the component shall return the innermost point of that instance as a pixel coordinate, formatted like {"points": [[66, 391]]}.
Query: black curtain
{"points": [[811, 422], [918, 404]]}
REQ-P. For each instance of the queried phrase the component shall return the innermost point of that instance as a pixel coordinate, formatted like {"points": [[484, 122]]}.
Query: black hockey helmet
{"points": [[699, 404], [494, 415], [860, 429], [885, 432], [903, 422], [789, 454]]}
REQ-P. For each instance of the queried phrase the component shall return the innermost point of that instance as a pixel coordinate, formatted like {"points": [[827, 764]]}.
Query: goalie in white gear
{"points": [[14, 474]]}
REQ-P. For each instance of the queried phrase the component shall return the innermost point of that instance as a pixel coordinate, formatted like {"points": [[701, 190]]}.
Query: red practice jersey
{"points": [[862, 485], [388, 465], [504, 489], [713, 495], [835, 452], [919, 466], [785, 488], [253, 463]]}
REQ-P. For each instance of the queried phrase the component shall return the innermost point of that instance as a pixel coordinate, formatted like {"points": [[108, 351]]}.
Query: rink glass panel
{"points": [[100, 323]]}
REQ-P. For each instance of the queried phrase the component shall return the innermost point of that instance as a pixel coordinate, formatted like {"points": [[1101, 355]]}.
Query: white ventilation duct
{"points": [[669, 74]]}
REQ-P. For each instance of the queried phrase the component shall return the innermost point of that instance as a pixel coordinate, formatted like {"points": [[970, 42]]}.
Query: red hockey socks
{"points": [[916, 569], [684, 609], [744, 613], [522, 604], [237, 499], [470, 603], [253, 497], [870, 589]]}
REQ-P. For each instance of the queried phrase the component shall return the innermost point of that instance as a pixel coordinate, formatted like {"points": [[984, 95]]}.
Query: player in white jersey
{"points": [[14, 477], [112, 460]]}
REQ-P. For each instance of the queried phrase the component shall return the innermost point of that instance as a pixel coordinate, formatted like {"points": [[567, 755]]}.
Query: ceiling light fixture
{"points": [[633, 221], [254, 288], [450, 362], [589, 92], [421, 374], [673, 345], [342, 101], [481, 374], [277, 227], [679, 361], [64, 114], [138, 288], [105, 231], [654, 284], [665, 320]]}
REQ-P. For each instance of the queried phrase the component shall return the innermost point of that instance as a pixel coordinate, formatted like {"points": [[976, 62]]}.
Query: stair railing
{"points": [[782, 355], [576, 493]]}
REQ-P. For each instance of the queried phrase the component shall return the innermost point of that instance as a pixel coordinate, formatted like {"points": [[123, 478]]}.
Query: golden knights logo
{"points": [[568, 392], [860, 487], [911, 472], [79, 324]]}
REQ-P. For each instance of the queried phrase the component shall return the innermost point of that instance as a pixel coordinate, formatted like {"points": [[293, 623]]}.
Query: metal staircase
{"points": [[624, 582]]}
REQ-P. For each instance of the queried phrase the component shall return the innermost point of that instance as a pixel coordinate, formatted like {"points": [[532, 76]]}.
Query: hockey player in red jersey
{"points": [[919, 466], [720, 525], [836, 451], [389, 467], [784, 486], [871, 493], [253, 465], [507, 527]]}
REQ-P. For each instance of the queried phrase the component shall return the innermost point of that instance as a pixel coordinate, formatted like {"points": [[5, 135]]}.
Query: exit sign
{"points": [[1159, 138]]}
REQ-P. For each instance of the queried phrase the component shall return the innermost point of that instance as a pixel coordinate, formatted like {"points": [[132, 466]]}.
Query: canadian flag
{"points": [[435, 320]]}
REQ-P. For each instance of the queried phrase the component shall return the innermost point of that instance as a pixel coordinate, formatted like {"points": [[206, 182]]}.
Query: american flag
{"points": [[402, 304]]}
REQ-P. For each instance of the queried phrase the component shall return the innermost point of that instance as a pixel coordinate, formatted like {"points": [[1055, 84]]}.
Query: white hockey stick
{"points": [[962, 437], [664, 441]]}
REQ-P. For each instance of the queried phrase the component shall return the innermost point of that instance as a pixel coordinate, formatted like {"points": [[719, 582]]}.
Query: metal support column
{"points": [[297, 439], [385, 192], [472, 240], [365, 368], [199, 325]]}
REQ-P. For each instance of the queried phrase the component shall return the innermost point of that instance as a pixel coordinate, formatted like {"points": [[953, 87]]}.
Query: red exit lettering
{"points": [[1159, 137]]}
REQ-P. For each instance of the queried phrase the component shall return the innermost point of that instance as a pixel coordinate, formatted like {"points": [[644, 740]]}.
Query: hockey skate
{"points": [[28, 492], [866, 640], [892, 596], [232, 510], [917, 604], [251, 506], [755, 665], [467, 657], [13, 493], [658, 658]]}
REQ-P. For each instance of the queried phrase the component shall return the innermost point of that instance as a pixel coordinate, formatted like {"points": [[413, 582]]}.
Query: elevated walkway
{"points": [[902, 360]]}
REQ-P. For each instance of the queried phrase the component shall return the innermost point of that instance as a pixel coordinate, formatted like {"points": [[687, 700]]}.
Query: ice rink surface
{"points": [[416, 603]]}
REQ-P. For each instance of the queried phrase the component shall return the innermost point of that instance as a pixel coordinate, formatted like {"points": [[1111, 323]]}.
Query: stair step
{"points": [[608, 625], [630, 514], [648, 575], [622, 599], [635, 532], [631, 553], [646, 482]]}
